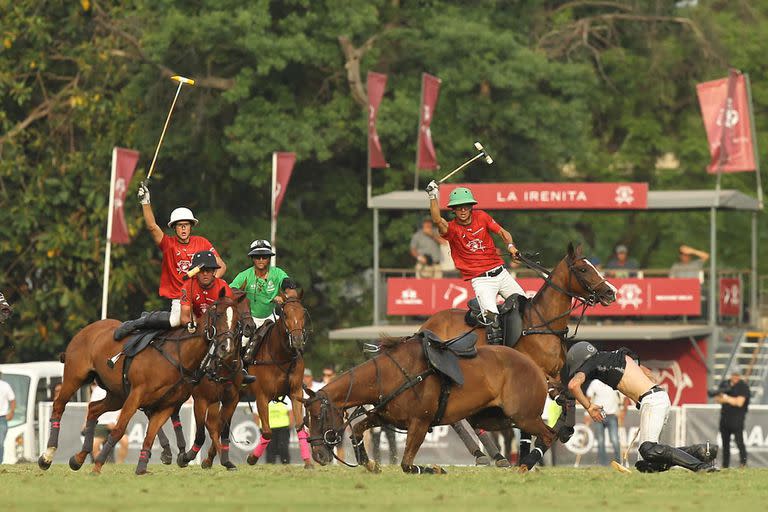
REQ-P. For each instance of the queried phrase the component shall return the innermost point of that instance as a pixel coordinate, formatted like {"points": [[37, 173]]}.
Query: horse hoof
{"points": [[206, 464], [73, 464], [373, 466], [437, 470], [166, 457], [142, 472], [308, 464], [523, 469], [252, 460], [230, 466], [44, 464], [482, 460], [181, 460], [503, 463]]}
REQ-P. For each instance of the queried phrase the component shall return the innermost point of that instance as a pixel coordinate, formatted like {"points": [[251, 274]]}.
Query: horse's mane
{"points": [[391, 342]]}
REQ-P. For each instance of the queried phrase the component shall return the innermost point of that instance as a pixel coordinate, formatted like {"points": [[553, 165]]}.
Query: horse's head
{"points": [[326, 426], [222, 326], [246, 324], [295, 319], [584, 280]]}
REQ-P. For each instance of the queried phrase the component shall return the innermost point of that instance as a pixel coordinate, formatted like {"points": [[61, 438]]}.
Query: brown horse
{"points": [[501, 387], [545, 320], [159, 379], [216, 398], [278, 365]]}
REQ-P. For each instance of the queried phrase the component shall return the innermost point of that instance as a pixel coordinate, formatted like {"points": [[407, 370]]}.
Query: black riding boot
{"points": [[493, 331], [247, 377], [152, 320], [705, 452], [661, 454]]}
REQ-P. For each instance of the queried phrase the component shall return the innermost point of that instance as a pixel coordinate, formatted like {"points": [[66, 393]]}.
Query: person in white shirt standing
{"points": [[611, 401], [7, 409]]}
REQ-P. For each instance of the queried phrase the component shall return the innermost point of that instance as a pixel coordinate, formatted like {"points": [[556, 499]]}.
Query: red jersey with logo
{"points": [[472, 247], [199, 298], [177, 259]]}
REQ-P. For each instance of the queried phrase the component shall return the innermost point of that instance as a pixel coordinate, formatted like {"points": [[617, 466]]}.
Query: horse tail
{"points": [[62, 356]]}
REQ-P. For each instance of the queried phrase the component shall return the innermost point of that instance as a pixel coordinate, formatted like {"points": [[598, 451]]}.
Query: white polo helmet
{"points": [[180, 214]]}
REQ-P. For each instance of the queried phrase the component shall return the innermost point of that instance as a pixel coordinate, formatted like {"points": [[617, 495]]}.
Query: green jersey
{"points": [[260, 292]]}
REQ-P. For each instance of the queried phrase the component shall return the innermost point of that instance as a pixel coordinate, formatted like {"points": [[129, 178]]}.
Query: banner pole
{"points": [[754, 142], [418, 135], [273, 227], [108, 244]]}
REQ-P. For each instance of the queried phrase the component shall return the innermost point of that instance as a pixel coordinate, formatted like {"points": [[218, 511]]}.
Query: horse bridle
{"points": [[300, 332], [331, 437], [214, 361], [584, 302]]}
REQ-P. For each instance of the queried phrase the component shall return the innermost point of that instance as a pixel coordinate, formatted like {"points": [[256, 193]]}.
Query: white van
{"points": [[32, 383]]}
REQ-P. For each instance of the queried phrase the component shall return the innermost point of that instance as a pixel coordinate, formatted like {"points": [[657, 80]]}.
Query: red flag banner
{"points": [[124, 164], [725, 110], [376, 83], [425, 152], [283, 168]]}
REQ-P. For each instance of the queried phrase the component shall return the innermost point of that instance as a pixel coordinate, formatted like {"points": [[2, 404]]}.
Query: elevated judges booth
{"points": [[674, 324]]}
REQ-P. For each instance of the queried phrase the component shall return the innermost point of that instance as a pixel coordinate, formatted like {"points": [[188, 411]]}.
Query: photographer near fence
{"points": [[733, 394]]}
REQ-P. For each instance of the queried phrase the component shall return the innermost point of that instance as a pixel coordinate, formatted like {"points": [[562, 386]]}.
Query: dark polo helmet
{"points": [[260, 248], [205, 259], [578, 355]]}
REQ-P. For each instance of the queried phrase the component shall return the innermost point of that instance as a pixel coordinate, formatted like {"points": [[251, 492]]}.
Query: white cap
{"points": [[180, 214]]}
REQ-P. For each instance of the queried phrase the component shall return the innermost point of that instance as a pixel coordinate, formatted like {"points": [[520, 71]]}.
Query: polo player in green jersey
{"points": [[265, 286]]}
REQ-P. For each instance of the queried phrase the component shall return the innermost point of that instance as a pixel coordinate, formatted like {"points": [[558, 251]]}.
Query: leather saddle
{"points": [[443, 356], [510, 315], [136, 342]]}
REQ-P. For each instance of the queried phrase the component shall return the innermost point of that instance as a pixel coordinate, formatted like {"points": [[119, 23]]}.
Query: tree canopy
{"points": [[559, 91]]}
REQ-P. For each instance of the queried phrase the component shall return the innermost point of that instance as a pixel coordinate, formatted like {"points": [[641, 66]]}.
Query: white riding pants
{"points": [[487, 288], [654, 410], [175, 312], [259, 322]]}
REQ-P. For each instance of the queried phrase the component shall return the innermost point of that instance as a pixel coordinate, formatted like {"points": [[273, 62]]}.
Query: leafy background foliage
{"points": [[559, 91]]}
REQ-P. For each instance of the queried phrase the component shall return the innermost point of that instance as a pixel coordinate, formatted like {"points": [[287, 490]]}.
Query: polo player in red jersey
{"points": [[177, 260], [200, 292], [474, 253]]}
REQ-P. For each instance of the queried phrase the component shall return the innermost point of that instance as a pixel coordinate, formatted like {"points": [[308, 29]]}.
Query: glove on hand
{"points": [[143, 193], [432, 190]]}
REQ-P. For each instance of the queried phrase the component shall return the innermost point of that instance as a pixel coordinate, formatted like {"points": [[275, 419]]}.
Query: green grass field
{"points": [[268, 488]]}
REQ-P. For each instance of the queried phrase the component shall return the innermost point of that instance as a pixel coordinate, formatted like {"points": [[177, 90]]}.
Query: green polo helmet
{"points": [[460, 196]]}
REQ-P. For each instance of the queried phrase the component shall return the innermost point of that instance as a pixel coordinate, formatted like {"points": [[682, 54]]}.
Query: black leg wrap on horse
{"points": [[525, 445], [224, 455], [144, 457], [106, 450], [90, 427], [536, 455], [181, 443], [489, 444], [360, 454], [53, 439], [664, 454], [163, 439]]}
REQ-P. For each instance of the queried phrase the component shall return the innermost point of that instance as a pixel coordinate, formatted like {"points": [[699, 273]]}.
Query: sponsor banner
{"points": [[730, 296], [376, 82], [702, 422], [725, 111], [554, 196], [283, 168], [441, 444], [123, 165], [425, 149], [635, 297]]}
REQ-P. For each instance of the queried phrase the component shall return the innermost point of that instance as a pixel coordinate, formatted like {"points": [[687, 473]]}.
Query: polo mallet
{"points": [[182, 80], [482, 154]]}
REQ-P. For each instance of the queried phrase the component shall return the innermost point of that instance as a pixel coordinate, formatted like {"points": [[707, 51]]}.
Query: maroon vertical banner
{"points": [[283, 168], [425, 152], [725, 110], [376, 83], [125, 161]]}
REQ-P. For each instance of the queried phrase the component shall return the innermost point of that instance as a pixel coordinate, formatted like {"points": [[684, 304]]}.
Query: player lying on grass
{"points": [[620, 370]]}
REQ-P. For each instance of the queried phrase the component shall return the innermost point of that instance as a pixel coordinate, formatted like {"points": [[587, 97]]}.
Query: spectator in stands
{"points": [[620, 263], [446, 261], [734, 397], [611, 401], [425, 249], [309, 382], [687, 266]]}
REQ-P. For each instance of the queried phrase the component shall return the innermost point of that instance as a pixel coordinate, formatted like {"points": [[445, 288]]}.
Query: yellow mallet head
{"points": [[183, 80]]}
